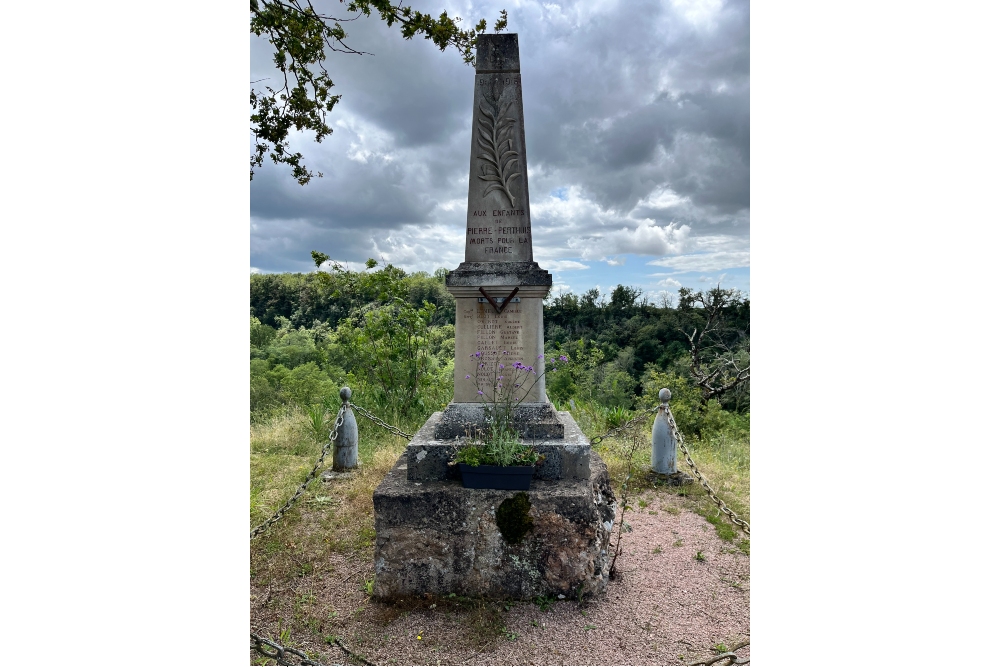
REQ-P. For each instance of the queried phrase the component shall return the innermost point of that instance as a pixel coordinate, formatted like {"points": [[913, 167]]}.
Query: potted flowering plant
{"points": [[494, 457]]}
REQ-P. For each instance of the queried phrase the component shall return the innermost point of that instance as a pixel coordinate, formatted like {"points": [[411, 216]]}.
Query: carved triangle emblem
{"points": [[498, 307]]}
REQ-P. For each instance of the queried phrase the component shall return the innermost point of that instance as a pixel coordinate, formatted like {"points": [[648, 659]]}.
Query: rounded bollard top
{"points": [[664, 395], [345, 394]]}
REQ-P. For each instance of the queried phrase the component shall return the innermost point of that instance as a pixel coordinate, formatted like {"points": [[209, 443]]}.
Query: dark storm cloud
{"points": [[615, 99], [640, 111]]}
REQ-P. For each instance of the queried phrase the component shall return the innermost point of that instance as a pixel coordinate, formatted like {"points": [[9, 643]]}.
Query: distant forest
{"points": [[620, 343]]}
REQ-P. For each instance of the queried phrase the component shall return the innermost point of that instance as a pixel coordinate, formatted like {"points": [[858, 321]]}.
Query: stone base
{"points": [[673, 479], [437, 537], [531, 421], [427, 455]]}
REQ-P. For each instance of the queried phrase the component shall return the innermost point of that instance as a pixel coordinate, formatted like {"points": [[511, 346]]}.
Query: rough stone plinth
{"points": [[437, 537], [567, 457]]}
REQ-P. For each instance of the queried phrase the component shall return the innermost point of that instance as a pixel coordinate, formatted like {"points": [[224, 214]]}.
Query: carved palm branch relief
{"points": [[498, 153]]}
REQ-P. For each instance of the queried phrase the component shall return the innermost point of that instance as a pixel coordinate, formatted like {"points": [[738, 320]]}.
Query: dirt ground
{"points": [[681, 593]]}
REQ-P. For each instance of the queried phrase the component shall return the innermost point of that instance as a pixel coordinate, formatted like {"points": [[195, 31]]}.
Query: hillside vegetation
{"points": [[390, 337]]}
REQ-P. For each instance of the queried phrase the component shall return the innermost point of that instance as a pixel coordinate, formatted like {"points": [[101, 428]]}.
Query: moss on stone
{"points": [[513, 518]]}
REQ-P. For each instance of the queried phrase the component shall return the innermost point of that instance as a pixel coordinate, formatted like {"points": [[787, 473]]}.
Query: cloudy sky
{"points": [[637, 128]]}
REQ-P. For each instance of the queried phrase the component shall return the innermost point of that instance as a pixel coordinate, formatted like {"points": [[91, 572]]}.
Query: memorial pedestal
{"points": [[434, 536]]}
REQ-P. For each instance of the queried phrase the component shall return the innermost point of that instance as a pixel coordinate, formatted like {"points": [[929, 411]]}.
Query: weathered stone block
{"points": [[438, 537]]}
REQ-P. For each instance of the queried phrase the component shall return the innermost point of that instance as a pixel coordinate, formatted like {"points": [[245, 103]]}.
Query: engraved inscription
{"points": [[496, 334]]}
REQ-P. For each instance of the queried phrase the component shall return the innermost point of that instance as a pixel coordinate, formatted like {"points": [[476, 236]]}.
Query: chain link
{"points": [[644, 414], [730, 656], [704, 482], [279, 651], [378, 422], [326, 448]]}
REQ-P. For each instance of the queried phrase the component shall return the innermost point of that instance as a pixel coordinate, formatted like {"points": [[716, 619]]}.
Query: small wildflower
{"points": [[501, 366], [480, 392], [562, 357], [467, 377], [419, 637], [541, 356]]}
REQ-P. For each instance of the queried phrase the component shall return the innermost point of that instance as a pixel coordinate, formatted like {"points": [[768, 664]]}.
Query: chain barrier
{"points": [[312, 475], [704, 482], [378, 422], [279, 651], [644, 414], [729, 655]]}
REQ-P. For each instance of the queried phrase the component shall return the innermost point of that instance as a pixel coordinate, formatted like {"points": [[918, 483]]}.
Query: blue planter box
{"points": [[511, 478]]}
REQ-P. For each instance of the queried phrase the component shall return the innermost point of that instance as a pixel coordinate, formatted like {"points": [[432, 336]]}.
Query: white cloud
{"points": [[700, 13], [615, 261], [254, 269], [408, 249], [647, 238], [713, 261], [663, 198], [563, 265], [668, 282]]}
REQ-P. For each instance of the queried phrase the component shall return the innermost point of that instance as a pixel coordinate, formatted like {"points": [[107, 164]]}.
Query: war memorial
{"points": [[432, 534]]}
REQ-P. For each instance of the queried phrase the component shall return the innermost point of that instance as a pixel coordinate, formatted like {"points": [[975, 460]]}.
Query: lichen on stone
{"points": [[514, 519]]}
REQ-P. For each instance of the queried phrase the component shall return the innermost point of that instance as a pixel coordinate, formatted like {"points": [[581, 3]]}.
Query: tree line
{"points": [[392, 334]]}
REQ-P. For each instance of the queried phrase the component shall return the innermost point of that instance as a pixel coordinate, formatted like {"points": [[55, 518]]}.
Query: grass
{"points": [[722, 457], [330, 531], [282, 452]]}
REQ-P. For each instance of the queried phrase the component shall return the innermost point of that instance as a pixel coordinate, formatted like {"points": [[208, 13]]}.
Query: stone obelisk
{"points": [[433, 535], [499, 287]]}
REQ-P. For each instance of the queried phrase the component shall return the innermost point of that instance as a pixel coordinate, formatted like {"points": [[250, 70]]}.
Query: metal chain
{"points": [[704, 482], [279, 651], [389, 427], [644, 414], [326, 448], [730, 656]]}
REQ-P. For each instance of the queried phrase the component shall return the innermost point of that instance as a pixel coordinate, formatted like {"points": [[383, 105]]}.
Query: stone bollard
{"points": [[664, 446], [347, 436]]}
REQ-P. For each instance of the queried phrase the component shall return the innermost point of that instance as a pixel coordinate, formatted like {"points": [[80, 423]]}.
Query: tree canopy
{"points": [[300, 36]]}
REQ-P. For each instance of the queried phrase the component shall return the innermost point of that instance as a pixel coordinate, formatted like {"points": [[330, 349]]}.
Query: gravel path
{"points": [[667, 607]]}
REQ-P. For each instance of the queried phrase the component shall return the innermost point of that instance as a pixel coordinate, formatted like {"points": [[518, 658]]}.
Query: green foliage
{"points": [[300, 37], [544, 602], [504, 449], [390, 344], [383, 346]]}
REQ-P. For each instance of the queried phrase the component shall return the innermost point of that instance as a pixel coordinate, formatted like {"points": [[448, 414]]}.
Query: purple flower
{"points": [[480, 393], [529, 368], [516, 385], [468, 377], [562, 357], [541, 356], [552, 361], [479, 354], [482, 365]]}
